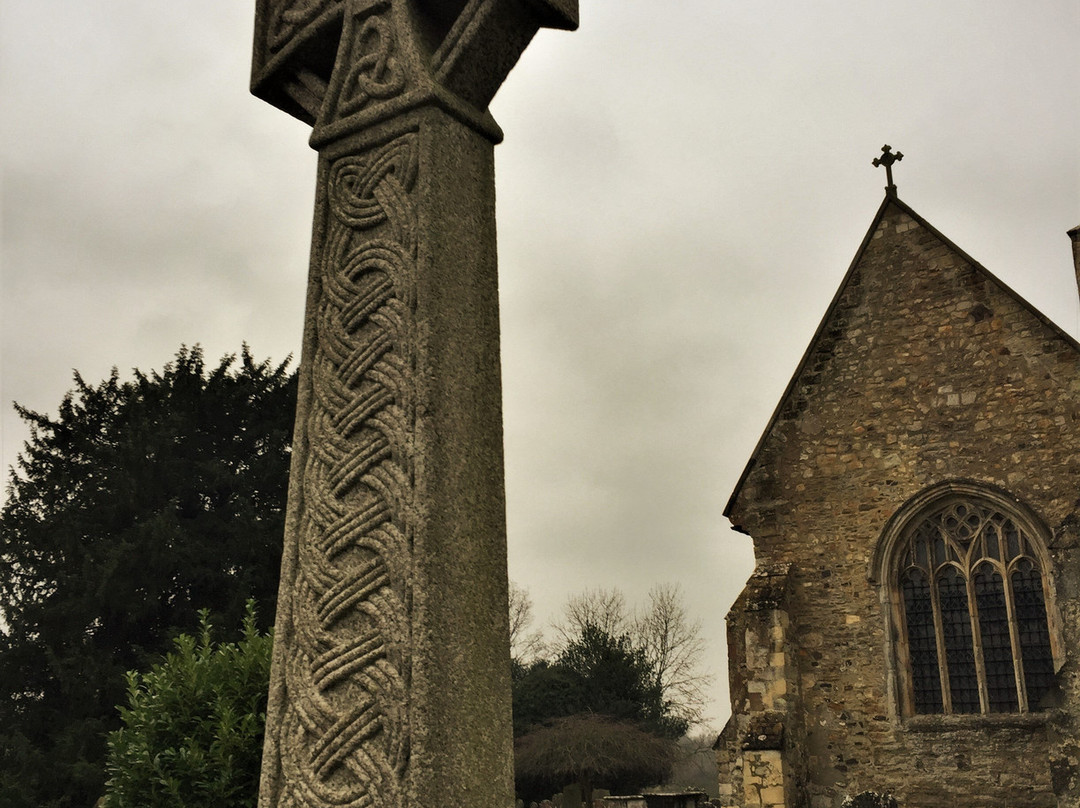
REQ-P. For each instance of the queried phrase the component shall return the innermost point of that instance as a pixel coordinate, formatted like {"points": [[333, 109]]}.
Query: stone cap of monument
{"points": [[463, 48]]}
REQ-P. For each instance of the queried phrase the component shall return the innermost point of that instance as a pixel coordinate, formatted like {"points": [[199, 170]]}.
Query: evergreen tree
{"points": [[595, 715], [599, 674], [614, 678], [139, 504]]}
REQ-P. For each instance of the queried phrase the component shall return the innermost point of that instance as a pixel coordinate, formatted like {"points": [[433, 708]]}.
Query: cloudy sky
{"points": [[681, 189]]}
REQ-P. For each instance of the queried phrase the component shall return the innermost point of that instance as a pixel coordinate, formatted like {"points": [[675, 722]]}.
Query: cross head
{"points": [[888, 157]]}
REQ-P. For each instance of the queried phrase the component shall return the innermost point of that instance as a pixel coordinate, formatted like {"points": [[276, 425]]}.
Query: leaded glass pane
{"points": [[956, 633], [922, 642], [991, 535], [1035, 652], [922, 554], [1012, 535], [996, 640], [951, 549], [939, 548]]}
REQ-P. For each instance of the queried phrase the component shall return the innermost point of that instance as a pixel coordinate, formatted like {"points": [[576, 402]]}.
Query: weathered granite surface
{"points": [[390, 682]]}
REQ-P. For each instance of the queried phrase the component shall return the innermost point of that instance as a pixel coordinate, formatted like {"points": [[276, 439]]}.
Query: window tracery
{"points": [[971, 601]]}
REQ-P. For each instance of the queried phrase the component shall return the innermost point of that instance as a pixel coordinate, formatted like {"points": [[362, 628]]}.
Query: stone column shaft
{"points": [[390, 682], [391, 669]]}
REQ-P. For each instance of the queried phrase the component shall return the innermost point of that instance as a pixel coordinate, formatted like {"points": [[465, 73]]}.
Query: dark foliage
{"points": [[595, 715], [596, 673], [139, 504], [615, 679], [590, 750], [543, 691]]}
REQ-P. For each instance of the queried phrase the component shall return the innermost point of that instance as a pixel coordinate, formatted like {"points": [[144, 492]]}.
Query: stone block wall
{"points": [[925, 370], [759, 751], [764, 780]]}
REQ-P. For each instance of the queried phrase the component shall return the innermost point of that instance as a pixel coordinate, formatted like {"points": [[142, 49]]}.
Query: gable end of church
{"points": [[914, 504]]}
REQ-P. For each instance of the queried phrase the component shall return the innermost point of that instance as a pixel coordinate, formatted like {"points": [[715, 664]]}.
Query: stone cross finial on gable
{"points": [[888, 157]]}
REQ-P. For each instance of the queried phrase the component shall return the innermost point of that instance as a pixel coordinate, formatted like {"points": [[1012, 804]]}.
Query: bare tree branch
{"points": [[673, 646], [525, 645], [604, 609], [663, 629]]}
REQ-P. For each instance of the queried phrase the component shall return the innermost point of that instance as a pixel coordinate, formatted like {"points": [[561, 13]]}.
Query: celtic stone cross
{"points": [[390, 682]]}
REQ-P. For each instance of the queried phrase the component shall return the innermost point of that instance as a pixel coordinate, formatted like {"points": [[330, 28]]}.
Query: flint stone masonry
{"points": [[390, 683], [870, 799], [926, 369], [659, 799]]}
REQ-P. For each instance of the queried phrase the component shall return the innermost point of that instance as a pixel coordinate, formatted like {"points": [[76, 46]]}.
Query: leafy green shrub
{"points": [[137, 504], [193, 728]]}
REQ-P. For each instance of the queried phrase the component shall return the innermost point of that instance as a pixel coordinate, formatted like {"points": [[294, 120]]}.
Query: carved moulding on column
{"points": [[343, 739], [288, 17], [293, 54]]}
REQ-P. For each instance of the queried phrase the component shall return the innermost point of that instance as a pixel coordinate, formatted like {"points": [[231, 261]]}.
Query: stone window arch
{"points": [[966, 582]]}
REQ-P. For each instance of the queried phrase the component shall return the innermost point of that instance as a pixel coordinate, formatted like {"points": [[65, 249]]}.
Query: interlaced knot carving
{"points": [[289, 17], [375, 71], [366, 190], [349, 665]]}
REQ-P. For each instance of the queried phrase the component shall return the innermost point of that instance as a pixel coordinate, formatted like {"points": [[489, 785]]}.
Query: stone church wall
{"points": [[925, 371]]}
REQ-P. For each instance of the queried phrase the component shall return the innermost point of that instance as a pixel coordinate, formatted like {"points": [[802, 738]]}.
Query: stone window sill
{"points": [[952, 723]]}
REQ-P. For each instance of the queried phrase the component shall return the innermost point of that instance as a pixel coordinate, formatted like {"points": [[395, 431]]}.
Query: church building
{"points": [[912, 625]]}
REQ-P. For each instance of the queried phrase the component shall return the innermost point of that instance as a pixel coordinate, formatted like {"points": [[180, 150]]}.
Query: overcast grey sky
{"points": [[681, 189]]}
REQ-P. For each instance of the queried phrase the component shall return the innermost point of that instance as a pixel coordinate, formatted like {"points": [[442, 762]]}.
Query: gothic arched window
{"points": [[971, 607]]}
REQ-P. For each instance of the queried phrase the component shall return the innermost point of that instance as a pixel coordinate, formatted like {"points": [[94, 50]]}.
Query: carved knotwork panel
{"points": [[344, 735], [380, 71]]}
